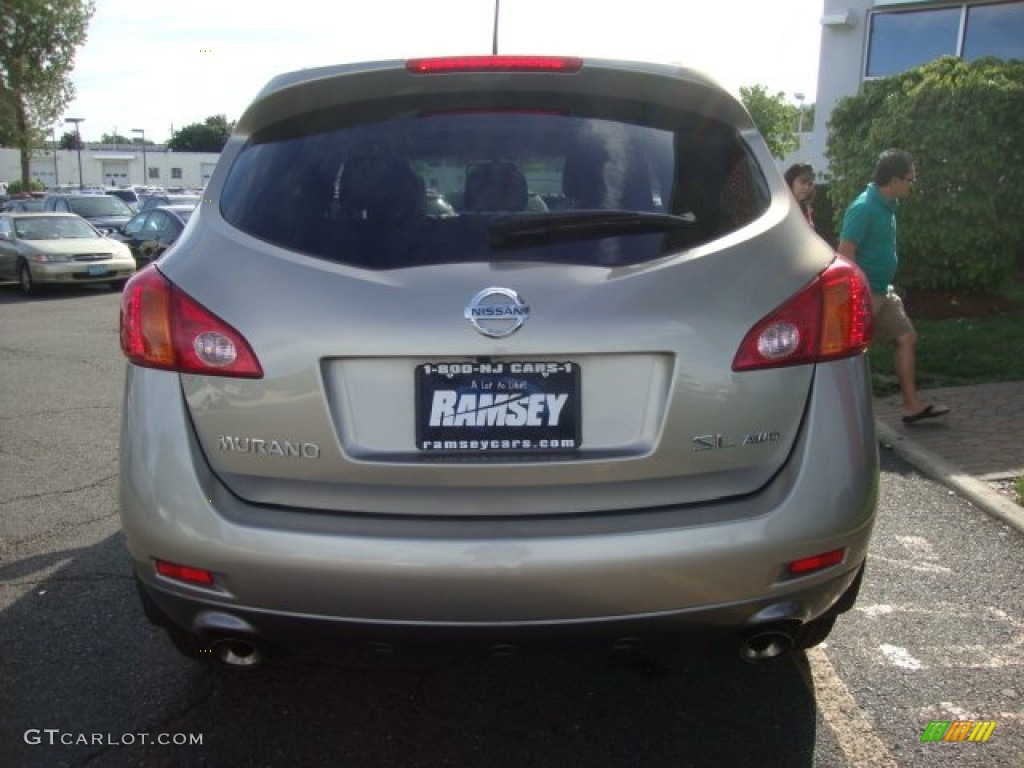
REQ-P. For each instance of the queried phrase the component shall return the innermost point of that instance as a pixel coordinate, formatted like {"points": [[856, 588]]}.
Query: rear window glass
{"points": [[495, 185]]}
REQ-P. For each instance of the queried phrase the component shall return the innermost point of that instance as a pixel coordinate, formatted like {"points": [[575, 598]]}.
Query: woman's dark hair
{"points": [[797, 170]]}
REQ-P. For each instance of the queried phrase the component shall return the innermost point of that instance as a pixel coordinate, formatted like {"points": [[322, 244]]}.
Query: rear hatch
{"points": [[560, 336]]}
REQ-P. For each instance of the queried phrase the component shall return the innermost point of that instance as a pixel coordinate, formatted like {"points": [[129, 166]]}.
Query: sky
{"points": [[159, 65]]}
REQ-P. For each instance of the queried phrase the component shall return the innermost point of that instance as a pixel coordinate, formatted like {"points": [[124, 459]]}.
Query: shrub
{"points": [[961, 229], [15, 187]]}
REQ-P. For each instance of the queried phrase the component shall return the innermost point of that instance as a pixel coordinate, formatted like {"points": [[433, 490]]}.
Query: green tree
{"points": [[6, 123], [114, 138], [775, 119], [17, 186], [38, 41], [208, 136], [961, 228], [70, 140]]}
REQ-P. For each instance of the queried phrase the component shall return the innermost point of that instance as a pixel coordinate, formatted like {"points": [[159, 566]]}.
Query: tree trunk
{"points": [[23, 136]]}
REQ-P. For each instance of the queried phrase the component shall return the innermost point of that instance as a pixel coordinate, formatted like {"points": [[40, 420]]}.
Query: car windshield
{"points": [[478, 186], [99, 205], [52, 228]]}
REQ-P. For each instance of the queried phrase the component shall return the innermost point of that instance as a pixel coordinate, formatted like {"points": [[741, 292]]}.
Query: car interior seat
{"points": [[495, 186], [381, 208], [593, 178], [583, 176], [380, 189]]}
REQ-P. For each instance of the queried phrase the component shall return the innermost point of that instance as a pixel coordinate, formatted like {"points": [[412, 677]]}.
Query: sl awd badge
{"points": [[497, 312]]}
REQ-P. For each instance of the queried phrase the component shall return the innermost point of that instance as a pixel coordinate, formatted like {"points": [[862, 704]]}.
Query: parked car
{"points": [[22, 205], [130, 196], [105, 212], [154, 200], [149, 233], [39, 249], [647, 411]]}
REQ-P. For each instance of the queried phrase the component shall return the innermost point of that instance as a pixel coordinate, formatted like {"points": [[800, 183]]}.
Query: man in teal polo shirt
{"points": [[869, 237]]}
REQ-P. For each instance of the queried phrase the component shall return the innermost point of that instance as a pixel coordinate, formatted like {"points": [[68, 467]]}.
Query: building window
{"points": [[995, 30], [154, 173], [175, 173], [902, 40]]}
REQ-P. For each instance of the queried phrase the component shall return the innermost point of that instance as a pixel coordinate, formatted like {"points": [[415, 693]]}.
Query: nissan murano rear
{"points": [[491, 348]]}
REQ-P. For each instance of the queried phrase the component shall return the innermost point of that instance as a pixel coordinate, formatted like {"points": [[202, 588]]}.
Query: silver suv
{"points": [[616, 386]]}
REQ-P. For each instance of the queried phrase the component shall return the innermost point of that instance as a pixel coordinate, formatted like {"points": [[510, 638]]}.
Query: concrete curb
{"points": [[975, 491]]}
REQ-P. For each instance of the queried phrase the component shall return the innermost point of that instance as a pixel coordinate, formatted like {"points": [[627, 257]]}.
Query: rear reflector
{"points": [[184, 573], [816, 563], [162, 327], [564, 64], [827, 320]]}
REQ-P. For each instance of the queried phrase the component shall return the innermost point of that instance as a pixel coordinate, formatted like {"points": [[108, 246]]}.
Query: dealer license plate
{"points": [[498, 406]]}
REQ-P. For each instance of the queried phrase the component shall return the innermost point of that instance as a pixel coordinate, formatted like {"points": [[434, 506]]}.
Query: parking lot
{"points": [[938, 634]]}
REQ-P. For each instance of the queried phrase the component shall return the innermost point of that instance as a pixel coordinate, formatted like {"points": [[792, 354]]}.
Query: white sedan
{"points": [[59, 249]]}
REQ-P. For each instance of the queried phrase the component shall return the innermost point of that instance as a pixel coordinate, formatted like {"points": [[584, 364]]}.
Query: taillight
{"points": [[162, 327], [446, 64], [829, 319], [819, 562], [184, 573]]}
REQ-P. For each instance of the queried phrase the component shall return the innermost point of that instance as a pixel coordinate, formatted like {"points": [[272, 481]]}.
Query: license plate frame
{"points": [[520, 406]]}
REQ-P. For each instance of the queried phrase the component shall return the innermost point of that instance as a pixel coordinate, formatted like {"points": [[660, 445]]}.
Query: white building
{"points": [[107, 165], [866, 39]]}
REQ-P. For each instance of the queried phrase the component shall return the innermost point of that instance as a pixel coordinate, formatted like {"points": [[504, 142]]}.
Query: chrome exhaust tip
{"points": [[765, 644], [238, 653]]}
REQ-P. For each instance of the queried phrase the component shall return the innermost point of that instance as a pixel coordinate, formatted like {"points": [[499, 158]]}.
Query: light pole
{"points": [[78, 144], [145, 171], [494, 42], [799, 120], [56, 174]]}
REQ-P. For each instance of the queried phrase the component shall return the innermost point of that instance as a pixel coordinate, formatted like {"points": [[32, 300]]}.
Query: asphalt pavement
{"points": [[978, 443]]}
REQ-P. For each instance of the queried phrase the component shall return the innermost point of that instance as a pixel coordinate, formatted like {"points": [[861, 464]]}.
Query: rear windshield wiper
{"points": [[524, 230]]}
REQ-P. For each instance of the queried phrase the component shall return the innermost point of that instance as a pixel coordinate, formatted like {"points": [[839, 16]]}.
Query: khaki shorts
{"points": [[890, 318]]}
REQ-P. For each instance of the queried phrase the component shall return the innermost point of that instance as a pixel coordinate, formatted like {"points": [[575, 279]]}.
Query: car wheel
{"points": [[188, 645], [148, 253], [813, 633], [25, 280]]}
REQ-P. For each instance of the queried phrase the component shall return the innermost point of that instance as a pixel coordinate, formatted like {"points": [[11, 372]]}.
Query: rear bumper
{"points": [[287, 574], [208, 622]]}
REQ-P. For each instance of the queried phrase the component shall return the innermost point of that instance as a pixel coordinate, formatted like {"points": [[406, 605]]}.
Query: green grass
{"points": [[960, 351]]}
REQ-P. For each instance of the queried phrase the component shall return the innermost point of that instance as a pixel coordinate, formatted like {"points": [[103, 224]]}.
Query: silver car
{"points": [[39, 249], [644, 408]]}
